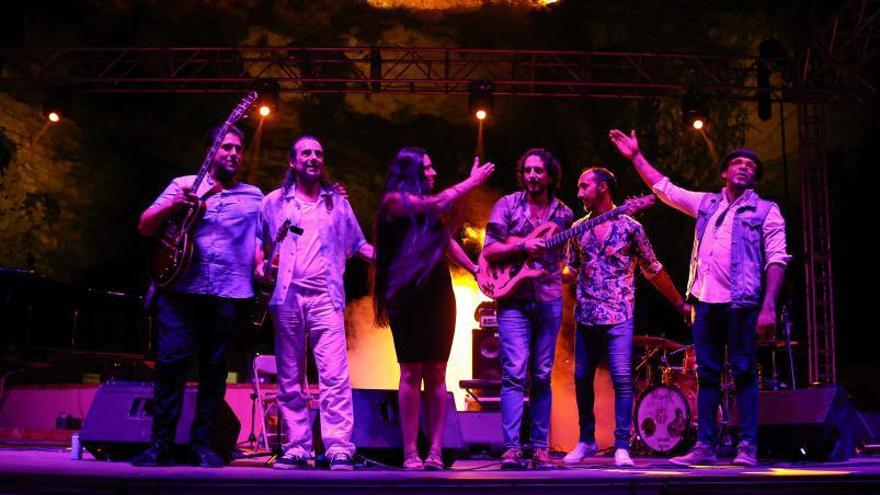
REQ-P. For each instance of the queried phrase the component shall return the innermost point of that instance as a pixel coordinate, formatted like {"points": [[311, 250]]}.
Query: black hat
{"points": [[745, 153]]}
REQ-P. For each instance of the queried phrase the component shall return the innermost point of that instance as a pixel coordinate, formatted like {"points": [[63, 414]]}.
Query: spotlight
{"points": [[694, 109], [56, 104], [269, 91], [772, 57], [480, 98]]}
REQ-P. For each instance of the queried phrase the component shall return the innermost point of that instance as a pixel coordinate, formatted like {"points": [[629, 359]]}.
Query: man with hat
{"points": [[736, 271]]}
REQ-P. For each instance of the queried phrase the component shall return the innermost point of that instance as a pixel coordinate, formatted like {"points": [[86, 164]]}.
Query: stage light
{"points": [[694, 109], [480, 99], [56, 103], [269, 100]]}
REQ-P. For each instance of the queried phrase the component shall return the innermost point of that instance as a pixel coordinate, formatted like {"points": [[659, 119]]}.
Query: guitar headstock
{"points": [[241, 109], [635, 205]]}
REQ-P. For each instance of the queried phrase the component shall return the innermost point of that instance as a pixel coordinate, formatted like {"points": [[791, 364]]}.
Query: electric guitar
{"points": [[265, 285], [499, 280], [173, 252]]}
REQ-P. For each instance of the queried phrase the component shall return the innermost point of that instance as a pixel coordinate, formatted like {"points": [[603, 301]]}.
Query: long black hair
{"points": [[407, 249]]}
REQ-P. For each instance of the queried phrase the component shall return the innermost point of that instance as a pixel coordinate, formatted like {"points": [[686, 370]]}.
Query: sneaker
{"points": [[512, 458], [702, 453], [434, 460], [341, 461], [412, 461], [158, 455], [204, 456], [291, 460], [622, 458], [579, 452], [746, 454], [541, 458]]}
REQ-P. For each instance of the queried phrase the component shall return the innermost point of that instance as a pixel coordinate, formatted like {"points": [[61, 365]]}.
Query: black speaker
{"points": [[486, 354], [377, 432], [482, 432], [814, 424], [119, 423]]}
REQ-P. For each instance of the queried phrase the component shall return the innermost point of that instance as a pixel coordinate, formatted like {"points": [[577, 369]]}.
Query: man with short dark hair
{"points": [[528, 319], [737, 268], [204, 308], [604, 258]]}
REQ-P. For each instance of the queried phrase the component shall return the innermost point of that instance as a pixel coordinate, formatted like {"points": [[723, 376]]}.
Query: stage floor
{"points": [[30, 470]]}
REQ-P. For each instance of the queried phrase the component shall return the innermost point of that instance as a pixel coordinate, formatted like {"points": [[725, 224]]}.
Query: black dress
{"points": [[422, 317]]}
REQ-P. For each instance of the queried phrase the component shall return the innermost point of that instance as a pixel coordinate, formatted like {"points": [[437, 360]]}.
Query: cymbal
{"points": [[775, 343], [652, 341]]}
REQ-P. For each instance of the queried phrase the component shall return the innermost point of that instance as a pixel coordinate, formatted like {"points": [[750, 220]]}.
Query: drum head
{"points": [[663, 419]]}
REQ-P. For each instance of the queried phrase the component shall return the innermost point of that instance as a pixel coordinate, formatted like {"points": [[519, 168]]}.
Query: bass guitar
{"points": [[499, 280]]}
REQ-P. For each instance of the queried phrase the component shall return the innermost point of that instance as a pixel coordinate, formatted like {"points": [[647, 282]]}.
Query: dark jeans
{"points": [[187, 322], [589, 343], [717, 326]]}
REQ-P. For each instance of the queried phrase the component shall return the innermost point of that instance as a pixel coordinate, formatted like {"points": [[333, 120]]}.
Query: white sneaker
{"points": [[580, 451], [622, 458]]}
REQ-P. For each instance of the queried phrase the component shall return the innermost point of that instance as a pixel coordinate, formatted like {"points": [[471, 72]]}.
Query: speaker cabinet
{"points": [[119, 423], [814, 424]]}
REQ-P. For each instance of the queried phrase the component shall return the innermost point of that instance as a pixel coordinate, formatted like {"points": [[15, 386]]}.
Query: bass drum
{"points": [[663, 419]]}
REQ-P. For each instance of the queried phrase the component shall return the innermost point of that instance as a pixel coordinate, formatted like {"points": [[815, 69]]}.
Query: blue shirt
{"points": [[339, 234], [223, 261]]}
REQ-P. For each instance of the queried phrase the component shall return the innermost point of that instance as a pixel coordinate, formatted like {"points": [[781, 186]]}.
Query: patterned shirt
{"points": [[223, 261], [606, 270], [510, 217], [339, 234]]}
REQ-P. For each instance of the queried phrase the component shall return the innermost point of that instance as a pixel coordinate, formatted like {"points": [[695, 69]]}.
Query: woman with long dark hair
{"points": [[412, 289]]}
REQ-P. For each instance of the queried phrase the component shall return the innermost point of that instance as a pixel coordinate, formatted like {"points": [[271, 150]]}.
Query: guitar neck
{"points": [[209, 157], [565, 235]]}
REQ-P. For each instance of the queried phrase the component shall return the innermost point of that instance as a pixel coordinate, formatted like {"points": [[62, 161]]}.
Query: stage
{"points": [[44, 470]]}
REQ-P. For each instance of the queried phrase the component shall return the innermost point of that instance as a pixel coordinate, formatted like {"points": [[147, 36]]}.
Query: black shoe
{"points": [[291, 461], [204, 456], [157, 455], [341, 461]]}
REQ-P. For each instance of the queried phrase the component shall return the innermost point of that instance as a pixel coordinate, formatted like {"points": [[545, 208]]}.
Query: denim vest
{"points": [[746, 247]]}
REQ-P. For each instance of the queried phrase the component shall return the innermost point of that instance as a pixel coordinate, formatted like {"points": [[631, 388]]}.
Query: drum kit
{"points": [[665, 382]]}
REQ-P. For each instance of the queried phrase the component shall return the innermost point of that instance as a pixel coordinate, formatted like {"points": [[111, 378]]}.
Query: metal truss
{"points": [[837, 57], [535, 73]]}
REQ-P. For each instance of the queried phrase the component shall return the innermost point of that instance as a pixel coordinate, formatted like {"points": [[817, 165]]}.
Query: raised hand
{"points": [[628, 146], [481, 173]]}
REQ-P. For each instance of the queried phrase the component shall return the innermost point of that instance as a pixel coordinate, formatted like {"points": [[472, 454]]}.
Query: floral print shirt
{"points": [[606, 270]]}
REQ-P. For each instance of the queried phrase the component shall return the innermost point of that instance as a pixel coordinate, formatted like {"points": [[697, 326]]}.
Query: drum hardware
{"points": [[665, 412]]}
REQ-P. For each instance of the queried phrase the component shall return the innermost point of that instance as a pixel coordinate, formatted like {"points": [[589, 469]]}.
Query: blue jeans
{"points": [[528, 331], [717, 326], [589, 342]]}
